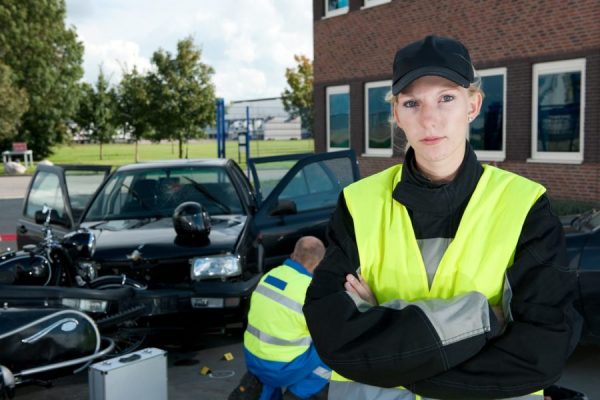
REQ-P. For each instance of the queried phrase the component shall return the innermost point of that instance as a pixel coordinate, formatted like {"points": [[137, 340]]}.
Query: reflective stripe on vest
{"points": [[265, 337], [475, 260], [280, 298], [353, 390], [277, 329]]}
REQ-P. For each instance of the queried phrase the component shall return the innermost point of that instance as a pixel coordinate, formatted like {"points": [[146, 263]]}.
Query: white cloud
{"points": [[114, 57], [249, 43]]}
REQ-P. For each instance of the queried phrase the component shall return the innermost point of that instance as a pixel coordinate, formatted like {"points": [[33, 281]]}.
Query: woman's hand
{"points": [[360, 288]]}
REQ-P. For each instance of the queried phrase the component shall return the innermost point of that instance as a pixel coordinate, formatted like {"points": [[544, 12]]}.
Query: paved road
{"points": [[13, 187], [12, 191]]}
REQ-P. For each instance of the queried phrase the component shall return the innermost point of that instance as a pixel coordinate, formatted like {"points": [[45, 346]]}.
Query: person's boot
{"points": [[248, 389]]}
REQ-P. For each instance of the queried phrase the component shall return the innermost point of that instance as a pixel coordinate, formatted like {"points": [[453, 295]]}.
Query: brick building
{"points": [[540, 66]]}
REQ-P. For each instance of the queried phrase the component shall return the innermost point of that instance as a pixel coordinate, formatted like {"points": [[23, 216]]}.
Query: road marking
{"points": [[8, 237]]}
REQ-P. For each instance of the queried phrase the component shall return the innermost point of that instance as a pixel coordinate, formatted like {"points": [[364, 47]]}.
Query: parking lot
{"points": [[188, 354]]}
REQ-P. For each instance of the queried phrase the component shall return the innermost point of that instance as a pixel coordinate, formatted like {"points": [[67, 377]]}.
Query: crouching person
{"points": [[277, 345]]}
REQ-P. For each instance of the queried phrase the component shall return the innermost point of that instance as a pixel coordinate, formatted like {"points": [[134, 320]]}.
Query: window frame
{"points": [[369, 151], [495, 155], [331, 90], [556, 67], [336, 12], [373, 3]]}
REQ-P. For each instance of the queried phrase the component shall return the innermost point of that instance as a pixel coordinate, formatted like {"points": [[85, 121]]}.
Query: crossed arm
{"points": [[386, 346]]}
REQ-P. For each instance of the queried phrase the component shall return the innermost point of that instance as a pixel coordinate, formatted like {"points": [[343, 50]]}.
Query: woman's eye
{"points": [[410, 104], [447, 97]]}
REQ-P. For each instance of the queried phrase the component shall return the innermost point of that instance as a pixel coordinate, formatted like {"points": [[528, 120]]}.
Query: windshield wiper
{"points": [[145, 221], [200, 187]]}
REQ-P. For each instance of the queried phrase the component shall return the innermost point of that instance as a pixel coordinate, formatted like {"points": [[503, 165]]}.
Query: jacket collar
{"points": [[418, 193], [297, 266]]}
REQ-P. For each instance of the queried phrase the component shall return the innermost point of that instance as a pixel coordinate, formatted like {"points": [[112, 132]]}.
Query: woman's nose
{"points": [[427, 115]]}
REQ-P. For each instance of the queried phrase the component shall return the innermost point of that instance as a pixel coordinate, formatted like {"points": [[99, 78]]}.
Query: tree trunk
{"points": [[101, 150], [137, 159], [180, 147]]}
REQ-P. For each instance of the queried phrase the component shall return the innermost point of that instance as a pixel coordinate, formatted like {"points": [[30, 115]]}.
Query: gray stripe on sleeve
{"points": [[453, 319], [507, 295]]}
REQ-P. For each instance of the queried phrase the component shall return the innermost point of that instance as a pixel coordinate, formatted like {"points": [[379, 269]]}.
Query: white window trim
{"points": [[575, 65], [368, 150], [336, 12], [373, 3], [329, 91], [487, 155]]}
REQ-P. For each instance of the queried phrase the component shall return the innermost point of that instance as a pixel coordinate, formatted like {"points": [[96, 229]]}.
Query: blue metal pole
{"points": [[220, 128], [248, 138]]}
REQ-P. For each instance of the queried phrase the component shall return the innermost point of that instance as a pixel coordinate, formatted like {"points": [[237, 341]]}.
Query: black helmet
{"points": [[191, 219]]}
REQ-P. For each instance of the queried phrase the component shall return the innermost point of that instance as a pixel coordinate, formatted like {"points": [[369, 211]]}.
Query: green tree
{"points": [[298, 97], [133, 106], [182, 93], [97, 111], [46, 59], [13, 103]]}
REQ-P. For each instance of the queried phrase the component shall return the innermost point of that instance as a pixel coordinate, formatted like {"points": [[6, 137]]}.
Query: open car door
{"points": [[66, 189], [296, 196]]}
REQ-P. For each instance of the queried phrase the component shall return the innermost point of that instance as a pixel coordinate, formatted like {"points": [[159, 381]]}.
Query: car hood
{"points": [[154, 239]]}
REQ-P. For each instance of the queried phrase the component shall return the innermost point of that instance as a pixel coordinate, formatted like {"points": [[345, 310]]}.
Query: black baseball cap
{"points": [[433, 55]]}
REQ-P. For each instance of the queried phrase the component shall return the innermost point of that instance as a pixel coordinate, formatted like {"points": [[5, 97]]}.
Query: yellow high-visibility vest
{"points": [[476, 259], [277, 329]]}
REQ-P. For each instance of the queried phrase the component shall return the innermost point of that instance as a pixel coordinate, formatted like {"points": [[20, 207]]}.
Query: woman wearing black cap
{"points": [[443, 278]]}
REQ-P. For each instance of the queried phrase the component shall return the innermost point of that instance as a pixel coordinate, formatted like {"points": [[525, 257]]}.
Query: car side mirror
{"points": [[40, 218], [284, 207]]}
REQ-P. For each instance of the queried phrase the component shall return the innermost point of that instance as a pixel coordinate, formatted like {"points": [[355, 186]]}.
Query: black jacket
{"points": [[390, 347]]}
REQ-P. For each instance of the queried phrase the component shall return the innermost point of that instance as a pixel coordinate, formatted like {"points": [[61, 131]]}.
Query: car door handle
{"points": [[22, 229]]}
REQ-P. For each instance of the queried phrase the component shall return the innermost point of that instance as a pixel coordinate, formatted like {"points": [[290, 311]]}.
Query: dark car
{"points": [[241, 230], [583, 249]]}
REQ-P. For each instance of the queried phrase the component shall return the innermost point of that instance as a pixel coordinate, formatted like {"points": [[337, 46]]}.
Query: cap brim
{"points": [[426, 71]]}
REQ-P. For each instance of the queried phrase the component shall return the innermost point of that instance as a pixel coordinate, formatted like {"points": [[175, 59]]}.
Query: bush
{"points": [[570, 207]]}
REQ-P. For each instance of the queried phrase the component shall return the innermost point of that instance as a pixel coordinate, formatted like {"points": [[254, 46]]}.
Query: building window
{"points": [[373, 3], [338, 117], [487, 132], [378, 129], [558, 111], [335, 7]]}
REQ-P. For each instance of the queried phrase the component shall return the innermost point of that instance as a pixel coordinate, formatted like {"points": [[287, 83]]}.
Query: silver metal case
{"points": [[139, 375]]}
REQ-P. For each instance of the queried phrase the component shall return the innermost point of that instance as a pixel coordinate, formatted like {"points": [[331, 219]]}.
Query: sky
{"points": [[249, 43]]}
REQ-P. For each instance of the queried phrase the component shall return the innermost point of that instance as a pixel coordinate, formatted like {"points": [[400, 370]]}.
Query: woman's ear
{"points": [[475, 101]]}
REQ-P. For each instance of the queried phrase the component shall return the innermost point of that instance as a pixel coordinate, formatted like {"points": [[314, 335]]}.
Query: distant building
{"points": [[540, 66], [281, 128], [268, 119]]}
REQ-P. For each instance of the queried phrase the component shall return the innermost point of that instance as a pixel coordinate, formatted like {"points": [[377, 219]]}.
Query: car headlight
{"points": [[215, 267]]}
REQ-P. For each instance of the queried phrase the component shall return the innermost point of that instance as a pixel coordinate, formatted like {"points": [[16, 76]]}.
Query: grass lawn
{"points": [[119, 154]]}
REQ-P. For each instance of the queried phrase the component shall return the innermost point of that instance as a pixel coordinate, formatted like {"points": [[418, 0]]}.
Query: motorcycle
{"points": [[59, 274], [53, 262], [38, 344]]}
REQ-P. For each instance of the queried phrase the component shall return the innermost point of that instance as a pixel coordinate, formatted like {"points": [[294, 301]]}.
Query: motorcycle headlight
{"points": [[86, 305], [215, 267]]}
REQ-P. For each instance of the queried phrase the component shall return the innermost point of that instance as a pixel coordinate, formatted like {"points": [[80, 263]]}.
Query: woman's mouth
{"points": [[430, 140]]}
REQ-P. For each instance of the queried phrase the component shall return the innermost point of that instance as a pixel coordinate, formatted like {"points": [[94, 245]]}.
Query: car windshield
{"points": [[156, 192]]}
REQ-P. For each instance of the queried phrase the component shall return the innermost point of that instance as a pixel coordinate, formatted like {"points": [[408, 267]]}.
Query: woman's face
{"points": [[434, 113]]}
